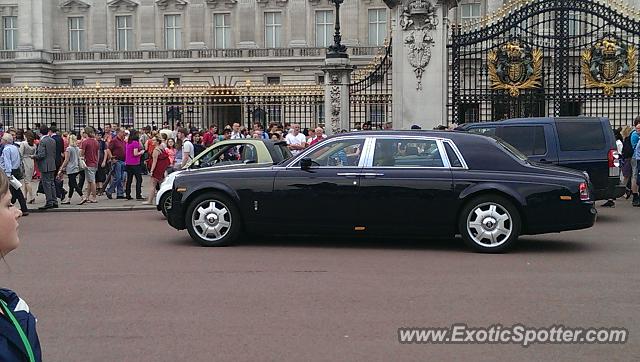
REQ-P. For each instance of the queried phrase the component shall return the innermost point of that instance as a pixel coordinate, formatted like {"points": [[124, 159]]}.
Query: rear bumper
{"points": [[579, 216], [613, 190]]}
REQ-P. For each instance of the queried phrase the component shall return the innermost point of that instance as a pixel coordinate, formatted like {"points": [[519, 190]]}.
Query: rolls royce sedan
{"points": [[388, 183]]}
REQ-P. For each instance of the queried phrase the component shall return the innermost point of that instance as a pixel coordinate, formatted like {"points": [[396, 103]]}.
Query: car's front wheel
{"points": [[489, 224], [165, 203], [212, 219]]}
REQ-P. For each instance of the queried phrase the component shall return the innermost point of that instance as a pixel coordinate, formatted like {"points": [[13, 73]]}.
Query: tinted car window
{"points": [[580, 136], [407, 153], [453, 157], [343, 153], [487, 131], [529, 140]]}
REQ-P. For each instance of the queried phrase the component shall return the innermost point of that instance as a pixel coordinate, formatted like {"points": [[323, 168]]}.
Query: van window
{"points": [[580, 136], [529, 140], [487, 131]]}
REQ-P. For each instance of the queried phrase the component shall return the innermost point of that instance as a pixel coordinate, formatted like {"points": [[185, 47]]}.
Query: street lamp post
{"points": [[337, 49]]}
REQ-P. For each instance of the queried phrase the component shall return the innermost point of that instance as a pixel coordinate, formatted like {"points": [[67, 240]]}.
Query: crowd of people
{"points": [[627, 142], [106, 161]]}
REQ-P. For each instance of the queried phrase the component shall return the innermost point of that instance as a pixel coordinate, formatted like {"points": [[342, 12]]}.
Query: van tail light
{"points": [[584, 191], [614, 162]]}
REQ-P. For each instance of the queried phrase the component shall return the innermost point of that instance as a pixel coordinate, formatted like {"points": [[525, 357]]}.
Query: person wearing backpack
{"points": [[625, 157], [634, 138]]}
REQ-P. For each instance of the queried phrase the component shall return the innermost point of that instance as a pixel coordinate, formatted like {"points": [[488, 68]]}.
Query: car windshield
{"points": [[511, 150]]}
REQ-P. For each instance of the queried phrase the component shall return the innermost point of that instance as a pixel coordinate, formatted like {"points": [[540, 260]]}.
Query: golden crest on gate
{"points": [[609, 64], [514, 66]]}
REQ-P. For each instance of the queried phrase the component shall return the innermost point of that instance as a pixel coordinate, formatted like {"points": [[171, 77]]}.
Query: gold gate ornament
{"points": [[609, 64], [515, 67]]}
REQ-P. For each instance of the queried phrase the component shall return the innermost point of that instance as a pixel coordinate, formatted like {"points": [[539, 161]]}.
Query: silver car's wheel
{"points": [[211, 220], [489, 224]]}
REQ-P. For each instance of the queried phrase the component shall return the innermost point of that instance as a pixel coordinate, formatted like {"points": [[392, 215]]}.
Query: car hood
{"points": [[557, 170]]}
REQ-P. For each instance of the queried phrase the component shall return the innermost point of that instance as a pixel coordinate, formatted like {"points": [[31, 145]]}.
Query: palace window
{"points": [[377, 26], [76, 34], [10, 31], [124, 31], [324, 28], [221, 31], [272, 29], [172, 32], [469, 12]]}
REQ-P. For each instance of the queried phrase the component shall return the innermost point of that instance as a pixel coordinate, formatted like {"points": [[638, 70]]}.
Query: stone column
{"points": [[298, 23], [337, 76], [420, 66], [245, 24], [25, 25], [97, 23], [197, 25], [148, 26]]}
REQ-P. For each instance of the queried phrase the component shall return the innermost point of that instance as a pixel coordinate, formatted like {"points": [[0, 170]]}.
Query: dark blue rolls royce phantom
{"points": [[388, 183]]}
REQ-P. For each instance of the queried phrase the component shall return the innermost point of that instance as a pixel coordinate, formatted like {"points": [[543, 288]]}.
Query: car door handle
{"points": [[544, 161], [372, 174], [349, 174]]}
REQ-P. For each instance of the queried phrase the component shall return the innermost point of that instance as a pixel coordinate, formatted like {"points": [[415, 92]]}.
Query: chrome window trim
{"points": [[437, 140], [457, 152], [304, 153]]}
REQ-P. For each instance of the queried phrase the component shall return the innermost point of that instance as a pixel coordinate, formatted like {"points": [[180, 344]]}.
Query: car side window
{"points": [[407, 153], [453, 157], [343, 153], [529, 140], [248, 152], [487, 131]]}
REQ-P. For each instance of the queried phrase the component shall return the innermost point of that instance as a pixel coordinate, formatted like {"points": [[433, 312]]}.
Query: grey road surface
{"points": [[126, 287]]}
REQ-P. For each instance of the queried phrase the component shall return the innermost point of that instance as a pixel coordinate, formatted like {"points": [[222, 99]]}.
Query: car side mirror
{"points": [[249, 161], [306, 163]]}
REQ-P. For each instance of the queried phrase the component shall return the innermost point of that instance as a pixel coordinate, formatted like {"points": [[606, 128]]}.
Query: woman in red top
{"points": [[159, 163]]}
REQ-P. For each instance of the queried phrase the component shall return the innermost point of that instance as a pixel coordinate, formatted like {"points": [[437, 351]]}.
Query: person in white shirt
{"points": [[187, 147], [235, 134], [296, 140]]}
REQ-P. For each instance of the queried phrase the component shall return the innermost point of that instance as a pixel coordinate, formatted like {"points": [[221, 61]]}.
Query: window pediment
{"points": [[71, 5], [126, 4], [177, 4], [264, 3], [226, 3]]}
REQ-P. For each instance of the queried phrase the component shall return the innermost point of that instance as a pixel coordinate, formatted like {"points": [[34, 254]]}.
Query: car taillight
{"points": [[584, 191], [614, 163], [614, 158]]}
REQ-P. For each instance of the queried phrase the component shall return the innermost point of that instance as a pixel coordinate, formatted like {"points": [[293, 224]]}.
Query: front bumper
{"points": [[175, 215]]}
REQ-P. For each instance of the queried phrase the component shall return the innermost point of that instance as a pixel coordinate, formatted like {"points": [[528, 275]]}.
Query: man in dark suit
{"points": [[46, 158], [60, 191]]}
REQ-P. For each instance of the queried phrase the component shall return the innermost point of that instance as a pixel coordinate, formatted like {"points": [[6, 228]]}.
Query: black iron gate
{"points": [[370, 93], [547, 58]]}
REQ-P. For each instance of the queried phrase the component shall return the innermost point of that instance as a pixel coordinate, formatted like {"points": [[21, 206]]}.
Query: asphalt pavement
{"points": [[126, 287]]}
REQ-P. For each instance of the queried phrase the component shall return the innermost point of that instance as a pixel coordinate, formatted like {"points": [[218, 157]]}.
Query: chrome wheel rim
{"points": [[167, 203], [211, 220], [489, 224]]}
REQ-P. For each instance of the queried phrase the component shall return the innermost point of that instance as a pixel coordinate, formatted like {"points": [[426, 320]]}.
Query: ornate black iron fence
{"points": [[370, 94], [547, 58], [72, 108]]}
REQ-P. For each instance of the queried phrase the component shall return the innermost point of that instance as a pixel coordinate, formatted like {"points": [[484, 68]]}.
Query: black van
{"points": [[581, 143]]}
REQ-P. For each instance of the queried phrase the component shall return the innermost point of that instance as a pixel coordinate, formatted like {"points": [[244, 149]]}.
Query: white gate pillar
{"points": [[420, 62]]}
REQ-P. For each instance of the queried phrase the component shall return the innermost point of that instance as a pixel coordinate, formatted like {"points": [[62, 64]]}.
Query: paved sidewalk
{"points": [[103, 204]]}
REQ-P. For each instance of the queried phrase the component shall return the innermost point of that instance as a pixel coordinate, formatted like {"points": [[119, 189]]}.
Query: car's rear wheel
{"points": [[489, 224], [212, 219], [165, 203]]}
